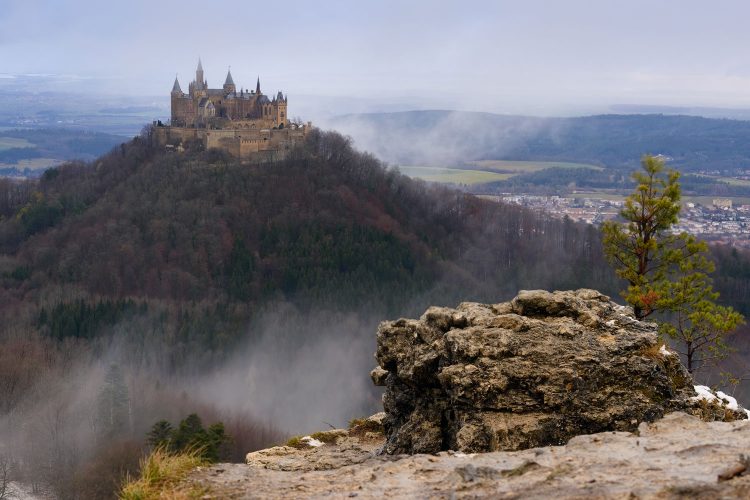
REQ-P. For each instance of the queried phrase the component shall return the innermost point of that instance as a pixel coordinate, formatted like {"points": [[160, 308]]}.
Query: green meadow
{"points": [[484, 171]]}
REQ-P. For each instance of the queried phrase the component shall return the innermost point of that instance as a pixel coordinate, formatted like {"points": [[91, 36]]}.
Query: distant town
{"points": [[721, 222]]}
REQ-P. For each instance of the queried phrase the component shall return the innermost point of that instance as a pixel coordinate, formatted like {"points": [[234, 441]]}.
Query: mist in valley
{"points": [[84, 422]]}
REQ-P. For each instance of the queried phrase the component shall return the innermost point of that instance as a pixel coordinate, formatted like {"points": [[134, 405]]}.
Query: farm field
{"points": [[14, 142], [484, 171], [522, 167], [33, 164], [729, 180], [733, 182], [452, 175]]}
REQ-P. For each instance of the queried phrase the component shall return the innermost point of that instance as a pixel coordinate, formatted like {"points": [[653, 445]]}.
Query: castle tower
{"points": [[199, 82], [229, 86], [177, 102], [281, 117]]}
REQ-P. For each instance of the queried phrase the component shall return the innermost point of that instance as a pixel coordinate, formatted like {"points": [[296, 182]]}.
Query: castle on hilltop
{"points": [[246, 124]]}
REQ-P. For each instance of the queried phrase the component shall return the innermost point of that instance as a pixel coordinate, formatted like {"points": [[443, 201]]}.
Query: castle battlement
{"points": [[244, 123]]}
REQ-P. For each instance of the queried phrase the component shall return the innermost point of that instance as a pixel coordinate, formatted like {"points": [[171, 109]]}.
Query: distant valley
{"points": [[716, 150], [615, 141], [27, 153]]}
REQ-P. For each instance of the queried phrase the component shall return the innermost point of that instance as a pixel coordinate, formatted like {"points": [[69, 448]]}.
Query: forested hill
{"points": [[327, 226], [615, 141]]}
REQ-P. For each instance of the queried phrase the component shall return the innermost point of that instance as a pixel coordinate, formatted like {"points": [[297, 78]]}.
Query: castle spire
{"points": [[176, 87], [257, 86], [199, 76], [229, 83]]}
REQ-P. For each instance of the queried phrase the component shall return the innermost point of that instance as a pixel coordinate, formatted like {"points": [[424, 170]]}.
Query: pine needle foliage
{"points": [[667, 273]]}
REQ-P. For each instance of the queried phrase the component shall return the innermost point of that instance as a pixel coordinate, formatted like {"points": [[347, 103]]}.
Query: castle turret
{"points": [[176, 90], [229, 86]]}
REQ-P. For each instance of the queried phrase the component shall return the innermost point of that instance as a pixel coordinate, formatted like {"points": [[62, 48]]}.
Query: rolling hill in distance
{"points": [[617, 141]]}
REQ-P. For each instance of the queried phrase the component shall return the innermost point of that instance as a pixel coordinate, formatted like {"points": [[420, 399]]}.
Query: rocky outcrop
{"points": [[535, 371]]}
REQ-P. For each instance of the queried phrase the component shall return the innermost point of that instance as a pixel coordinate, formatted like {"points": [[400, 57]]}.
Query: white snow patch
{"points": [[664, 352], [707, 394], [704, 393], [311, 441], [729, 400], [610, 322]]}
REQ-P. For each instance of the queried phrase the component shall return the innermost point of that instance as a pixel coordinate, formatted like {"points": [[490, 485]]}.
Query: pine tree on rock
{"points": [[667, 273]]}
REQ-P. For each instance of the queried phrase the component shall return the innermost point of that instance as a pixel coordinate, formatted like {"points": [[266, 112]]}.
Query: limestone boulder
{"points": [[531, 372]]}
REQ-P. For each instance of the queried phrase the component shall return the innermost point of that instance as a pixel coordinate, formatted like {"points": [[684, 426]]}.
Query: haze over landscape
{"points": [[210, 212]]}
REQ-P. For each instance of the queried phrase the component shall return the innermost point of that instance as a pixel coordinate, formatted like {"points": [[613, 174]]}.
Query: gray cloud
{"points": [[543, 57]]}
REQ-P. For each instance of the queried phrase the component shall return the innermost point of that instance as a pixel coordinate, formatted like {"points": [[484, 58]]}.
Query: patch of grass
{"points": [[161, 474], [360, 426], [711, 411], [296, 442], [327, 437], [653, 351]]}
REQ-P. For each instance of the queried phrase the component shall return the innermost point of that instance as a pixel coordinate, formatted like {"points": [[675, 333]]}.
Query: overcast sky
{"points": [[538, 56]]}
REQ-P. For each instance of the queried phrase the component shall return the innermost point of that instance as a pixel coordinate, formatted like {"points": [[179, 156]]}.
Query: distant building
{"points": [[722, 203], [246, 124]]}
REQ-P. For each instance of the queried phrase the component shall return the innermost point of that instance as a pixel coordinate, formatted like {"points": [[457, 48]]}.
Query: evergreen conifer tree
{"points": [[667, 272]]}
